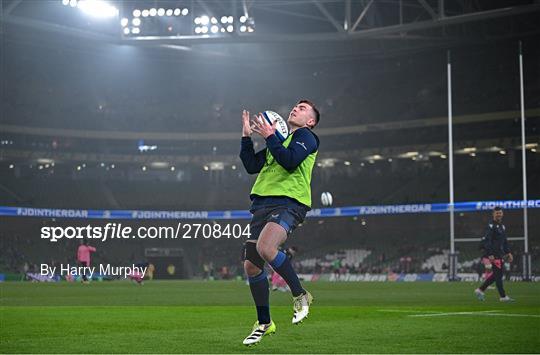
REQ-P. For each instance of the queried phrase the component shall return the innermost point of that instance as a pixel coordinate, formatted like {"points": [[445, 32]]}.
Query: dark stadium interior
{"points": [[126, 221], [75, 114]]}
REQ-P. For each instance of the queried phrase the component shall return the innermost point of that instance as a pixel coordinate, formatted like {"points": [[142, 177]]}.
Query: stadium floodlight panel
{"points": [[169, 12], [161, 12], [126, 30], [136, 30], [159, 164], [493, 149], [177, 12], [136, 13], [217, 165], [204, 20], [97, 8], [327, 162], [72, 3], [153, 12], [214, 29], [375, 157], [243, 19], [230, 28], [243, 28], [136, 21], [145, 13], [65, 2], [124, 22], [185, 11], [408, 154], [45, 161]]}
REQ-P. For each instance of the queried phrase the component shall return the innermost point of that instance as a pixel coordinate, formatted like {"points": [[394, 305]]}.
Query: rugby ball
{"points": [[282, 129], [326, 199]]}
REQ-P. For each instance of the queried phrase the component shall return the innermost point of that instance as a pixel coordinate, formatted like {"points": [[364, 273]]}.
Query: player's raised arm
{"points": [[303, 143], [246, 128], [252, 162]]}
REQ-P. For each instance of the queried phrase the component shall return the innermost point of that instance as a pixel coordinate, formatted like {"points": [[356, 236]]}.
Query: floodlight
{"points": [[97, 8]]}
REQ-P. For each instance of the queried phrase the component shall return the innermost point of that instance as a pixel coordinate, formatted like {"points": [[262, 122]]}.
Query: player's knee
{"points": [[251, 269], [266, 250]]}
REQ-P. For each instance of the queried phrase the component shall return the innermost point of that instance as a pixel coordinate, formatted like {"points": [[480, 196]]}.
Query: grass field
{"points": [[214, 317]]}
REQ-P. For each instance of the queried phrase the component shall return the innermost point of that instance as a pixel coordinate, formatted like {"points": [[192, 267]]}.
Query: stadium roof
{"points": [[382, 27]]}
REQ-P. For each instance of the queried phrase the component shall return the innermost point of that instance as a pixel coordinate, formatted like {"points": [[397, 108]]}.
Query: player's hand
{"points": [[260, 126], [246, 128], [491, 258], [509, 257]]}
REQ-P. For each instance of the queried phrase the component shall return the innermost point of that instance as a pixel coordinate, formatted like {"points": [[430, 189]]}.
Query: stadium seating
{"points": [[438, 262], [349, 257]]}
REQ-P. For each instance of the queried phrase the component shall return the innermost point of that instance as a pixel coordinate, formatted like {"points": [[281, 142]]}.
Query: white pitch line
{"points": [[451, 314], [479, 313], [404, 311]]}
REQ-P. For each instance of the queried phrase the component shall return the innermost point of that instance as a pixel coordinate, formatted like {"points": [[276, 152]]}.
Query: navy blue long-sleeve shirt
{"points": [[494, 241], [303, 143]]}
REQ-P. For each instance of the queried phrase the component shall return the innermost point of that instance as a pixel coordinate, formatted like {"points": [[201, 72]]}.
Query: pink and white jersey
{"points": [[83, 253]]}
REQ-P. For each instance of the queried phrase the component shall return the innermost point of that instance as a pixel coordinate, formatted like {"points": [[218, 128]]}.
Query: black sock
{"points": [[487, 282], [260, 292], [282, 265], [499, 282]]}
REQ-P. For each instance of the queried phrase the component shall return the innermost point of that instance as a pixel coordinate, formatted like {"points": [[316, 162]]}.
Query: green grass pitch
{"points": [[214, 317]]}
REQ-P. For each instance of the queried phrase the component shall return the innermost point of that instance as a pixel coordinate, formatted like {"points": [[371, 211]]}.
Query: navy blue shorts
{"points": [[281, 210]]}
